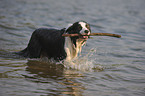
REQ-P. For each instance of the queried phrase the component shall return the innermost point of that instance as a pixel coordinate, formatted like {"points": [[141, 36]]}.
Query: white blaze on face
{"points": [[84, 28], [83, 24]]}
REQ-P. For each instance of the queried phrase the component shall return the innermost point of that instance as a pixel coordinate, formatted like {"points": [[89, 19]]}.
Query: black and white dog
{"points": [[50, 43]]}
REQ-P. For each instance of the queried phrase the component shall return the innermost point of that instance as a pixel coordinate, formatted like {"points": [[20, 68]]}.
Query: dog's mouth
{"points": [[84, 37]]}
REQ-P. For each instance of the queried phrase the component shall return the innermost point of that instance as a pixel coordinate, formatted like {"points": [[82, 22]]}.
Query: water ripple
{"points": [[107, 66]]}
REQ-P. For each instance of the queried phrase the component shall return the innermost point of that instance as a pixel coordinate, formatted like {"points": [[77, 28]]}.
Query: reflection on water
{"points": [[106, 67], [41, 72]]}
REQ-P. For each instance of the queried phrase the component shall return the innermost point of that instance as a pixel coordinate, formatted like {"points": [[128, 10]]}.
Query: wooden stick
{"points": [[92, 34]]}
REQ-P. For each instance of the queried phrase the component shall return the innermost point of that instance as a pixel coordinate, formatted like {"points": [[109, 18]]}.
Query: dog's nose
{"points": [[86, 31]]}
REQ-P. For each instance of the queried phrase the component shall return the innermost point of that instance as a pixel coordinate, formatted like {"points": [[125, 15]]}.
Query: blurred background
{"points": [[107, 66]]}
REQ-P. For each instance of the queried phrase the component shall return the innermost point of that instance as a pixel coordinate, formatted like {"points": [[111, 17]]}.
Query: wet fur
{"points": [[50, 43]]}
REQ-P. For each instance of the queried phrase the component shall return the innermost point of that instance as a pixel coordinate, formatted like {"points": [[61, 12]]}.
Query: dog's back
{"points": [[46, 42], [50, 43]]}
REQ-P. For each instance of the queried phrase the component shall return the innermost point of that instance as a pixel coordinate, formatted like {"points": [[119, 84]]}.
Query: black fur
{"points": [[50, 43], [46, 42], [76, 28]]}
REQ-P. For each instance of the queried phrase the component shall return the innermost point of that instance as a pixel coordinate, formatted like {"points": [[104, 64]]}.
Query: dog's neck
{"points": [[72, 50]]}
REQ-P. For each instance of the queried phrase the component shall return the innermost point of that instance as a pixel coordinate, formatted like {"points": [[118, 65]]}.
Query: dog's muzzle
{"points": [[85, 37]]}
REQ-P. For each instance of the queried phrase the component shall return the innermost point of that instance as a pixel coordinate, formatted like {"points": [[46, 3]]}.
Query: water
{"points": [[107, 66]]}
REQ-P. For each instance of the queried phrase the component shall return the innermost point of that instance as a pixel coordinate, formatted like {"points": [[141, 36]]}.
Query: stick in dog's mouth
{"points": [[93, 34]]}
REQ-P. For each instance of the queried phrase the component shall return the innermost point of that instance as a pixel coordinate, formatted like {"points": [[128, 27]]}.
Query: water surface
{"points": [[107, 66]]}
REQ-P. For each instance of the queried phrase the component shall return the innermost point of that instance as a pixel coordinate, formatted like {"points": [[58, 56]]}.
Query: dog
{"points": [[50, 43]]}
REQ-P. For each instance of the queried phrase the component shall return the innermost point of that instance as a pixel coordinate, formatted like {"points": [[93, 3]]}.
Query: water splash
{"points": [[84, 63], [81, 63]]}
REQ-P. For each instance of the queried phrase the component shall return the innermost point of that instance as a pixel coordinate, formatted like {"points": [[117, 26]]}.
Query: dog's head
{"points": [[80, 27]]}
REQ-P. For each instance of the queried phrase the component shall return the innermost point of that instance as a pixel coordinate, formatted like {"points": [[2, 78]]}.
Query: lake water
{"points": [[107, 66]]}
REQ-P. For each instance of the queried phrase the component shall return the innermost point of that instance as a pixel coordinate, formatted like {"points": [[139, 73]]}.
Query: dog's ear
{"points": [[69, 29], [88, 27]]}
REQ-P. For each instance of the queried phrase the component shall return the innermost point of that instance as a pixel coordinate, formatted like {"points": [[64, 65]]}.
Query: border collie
{"points": [[50, 43]]}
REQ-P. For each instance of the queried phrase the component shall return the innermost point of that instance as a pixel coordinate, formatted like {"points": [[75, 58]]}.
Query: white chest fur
{"points": [[72, 50]]}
